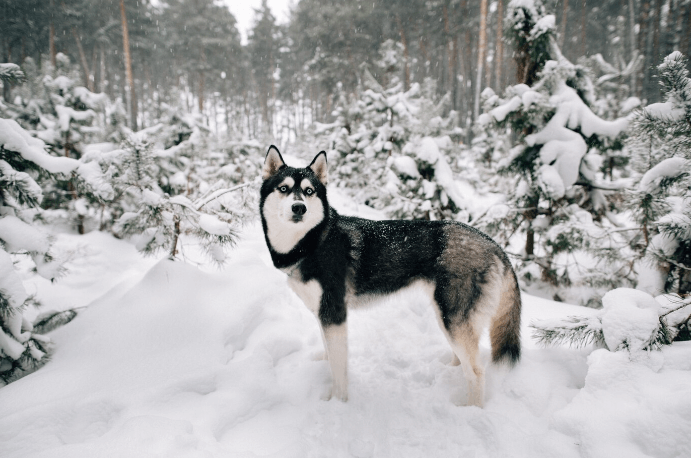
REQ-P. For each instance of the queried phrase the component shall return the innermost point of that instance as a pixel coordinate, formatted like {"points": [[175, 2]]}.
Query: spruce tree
{"points": [[390, 146], [22, 158], [661, 146], [559, 198], [159, 220]]}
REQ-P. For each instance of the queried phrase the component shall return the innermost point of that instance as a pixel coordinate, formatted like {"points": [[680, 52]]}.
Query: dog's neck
{"points": [[306, 246]]}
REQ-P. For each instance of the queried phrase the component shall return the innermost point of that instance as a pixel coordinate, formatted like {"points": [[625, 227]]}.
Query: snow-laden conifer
{"points": [[157, 219], [630, 320], [553, 147], [391, 147], [660, 203]]}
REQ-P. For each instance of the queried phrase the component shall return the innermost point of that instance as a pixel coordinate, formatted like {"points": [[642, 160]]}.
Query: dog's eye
{"points": [[283, 189], [309, 191]]}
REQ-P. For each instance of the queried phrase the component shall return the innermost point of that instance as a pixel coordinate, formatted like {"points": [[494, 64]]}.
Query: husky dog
{"points": [[335, 261]]}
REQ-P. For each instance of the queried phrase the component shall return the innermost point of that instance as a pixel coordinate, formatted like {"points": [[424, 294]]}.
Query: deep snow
{"points": [[173, 360]]}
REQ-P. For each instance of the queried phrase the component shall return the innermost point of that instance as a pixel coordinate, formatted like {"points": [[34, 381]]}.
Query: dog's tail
{"points": [[505, 330]]}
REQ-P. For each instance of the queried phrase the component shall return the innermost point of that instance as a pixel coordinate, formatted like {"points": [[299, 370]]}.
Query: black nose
{"points": [[299, 209]]}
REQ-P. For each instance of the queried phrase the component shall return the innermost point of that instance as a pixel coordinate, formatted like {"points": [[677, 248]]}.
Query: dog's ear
{"points": [[272, 163], [318, 166]]}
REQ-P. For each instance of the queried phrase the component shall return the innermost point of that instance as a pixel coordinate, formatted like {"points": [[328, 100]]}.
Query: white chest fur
{"points": [[310, 292]]}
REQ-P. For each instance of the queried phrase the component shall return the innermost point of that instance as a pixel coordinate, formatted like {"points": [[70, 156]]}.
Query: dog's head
{"points": [[293, 200]]}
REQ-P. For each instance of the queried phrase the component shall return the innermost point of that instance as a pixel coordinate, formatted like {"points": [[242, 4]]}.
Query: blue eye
{"points": [[283, 189], [309, 191]]}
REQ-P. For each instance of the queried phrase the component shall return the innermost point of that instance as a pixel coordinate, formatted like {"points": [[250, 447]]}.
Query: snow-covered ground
{"points": [[176, 360]]}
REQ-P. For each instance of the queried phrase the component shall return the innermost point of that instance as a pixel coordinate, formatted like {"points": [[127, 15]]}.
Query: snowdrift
{"points": [[175, 361]]}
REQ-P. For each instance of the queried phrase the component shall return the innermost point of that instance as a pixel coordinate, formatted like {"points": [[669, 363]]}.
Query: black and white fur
{"points": [[335, 261]]}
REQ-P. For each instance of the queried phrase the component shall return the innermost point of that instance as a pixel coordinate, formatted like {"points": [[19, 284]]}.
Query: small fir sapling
{"points": [[158, 219], [67, 117], [389, 147]]}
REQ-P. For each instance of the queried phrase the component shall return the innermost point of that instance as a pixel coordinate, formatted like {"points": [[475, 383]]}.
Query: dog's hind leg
{"points": [[464, 305], [336, 340], [465, 345]]}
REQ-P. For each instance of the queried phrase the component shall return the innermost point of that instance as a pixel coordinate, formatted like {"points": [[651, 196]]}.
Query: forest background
{"points": [[287, 75]]}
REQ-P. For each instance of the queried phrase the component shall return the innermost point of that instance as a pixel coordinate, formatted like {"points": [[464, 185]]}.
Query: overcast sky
{"points": [[243, 10]]}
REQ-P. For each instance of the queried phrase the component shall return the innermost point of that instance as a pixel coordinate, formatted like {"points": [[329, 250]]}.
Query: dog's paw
{"points": [[329, 394], [340, 393], [319, 356], [326, 395]]}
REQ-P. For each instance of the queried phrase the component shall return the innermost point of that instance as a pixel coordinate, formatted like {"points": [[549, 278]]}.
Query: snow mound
{"points": [[177, 361], [630, 319]]}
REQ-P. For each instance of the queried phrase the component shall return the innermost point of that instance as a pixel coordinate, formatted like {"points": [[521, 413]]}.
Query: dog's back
{"points": [[466, 267]]}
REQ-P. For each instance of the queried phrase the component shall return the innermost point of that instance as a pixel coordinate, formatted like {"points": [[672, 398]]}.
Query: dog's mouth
{"points": [[297, 218]]}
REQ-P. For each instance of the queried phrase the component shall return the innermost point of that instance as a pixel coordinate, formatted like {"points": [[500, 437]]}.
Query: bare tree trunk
{"points": [[452, 44], [422, 43], [406, 63], [500, 45], [51, 37], [676, 39], [6, 90], [687, 33], [480, 55], [128, 68], [656, 32], [584, 17], [82, 57], [643, 43], [564, 23], [102, 77], [634, 50], [200, 96]]}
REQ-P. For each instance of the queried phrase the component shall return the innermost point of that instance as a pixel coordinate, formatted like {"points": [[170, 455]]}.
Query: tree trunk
{"points": [[499, 58], [584, 17], [406, 64], [422, 43], [128, 68], [176, 235], [642, 44], [634, 50], [6, 91], [82, 57], [480, 56], [51, 37], [564, 23], [656, 32], [102, 76], [451, 55], [200, 96], [684, 46], [676, 39]]}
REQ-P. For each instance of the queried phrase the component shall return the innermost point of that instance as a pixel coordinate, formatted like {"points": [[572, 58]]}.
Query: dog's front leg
{"points": [[336, 340]]}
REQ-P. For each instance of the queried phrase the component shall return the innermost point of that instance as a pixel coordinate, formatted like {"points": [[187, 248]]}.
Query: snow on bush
{"points": [[630, 320], [661, 144], [21, 159]]}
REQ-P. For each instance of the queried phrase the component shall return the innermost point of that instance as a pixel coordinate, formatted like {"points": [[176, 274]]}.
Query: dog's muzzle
{"points": [[298, 211]]}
